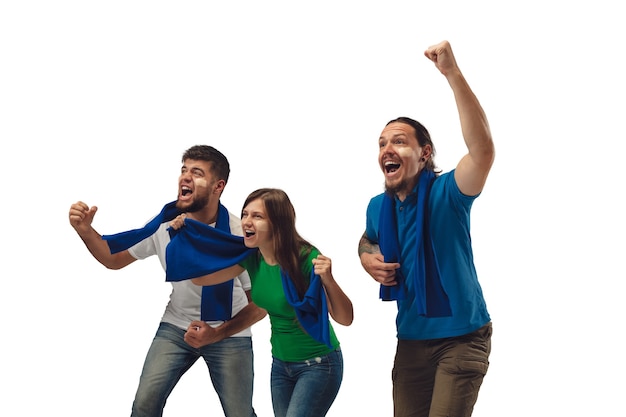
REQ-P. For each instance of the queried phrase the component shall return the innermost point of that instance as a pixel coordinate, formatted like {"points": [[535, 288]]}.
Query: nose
{"points": [[384, 154], [385, 148], [185, 176]]}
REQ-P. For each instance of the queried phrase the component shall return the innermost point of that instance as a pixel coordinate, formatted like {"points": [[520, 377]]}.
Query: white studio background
{"points": [[98, 100]]}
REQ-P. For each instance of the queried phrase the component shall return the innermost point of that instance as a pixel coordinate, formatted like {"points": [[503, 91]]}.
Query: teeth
{"points": [[185, 190], [391, 166]]}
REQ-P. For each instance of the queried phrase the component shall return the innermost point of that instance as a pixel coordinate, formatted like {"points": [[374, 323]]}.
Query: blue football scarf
{"points": [[194, 250], [432, 300], [124, 240], [311, 310]]}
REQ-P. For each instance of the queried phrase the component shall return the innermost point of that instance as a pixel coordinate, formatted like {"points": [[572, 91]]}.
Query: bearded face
{"points": [[194, 186], [399, 158]]}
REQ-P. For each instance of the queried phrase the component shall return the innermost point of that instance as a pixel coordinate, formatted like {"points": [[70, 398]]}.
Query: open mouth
{"points": [[185, 190], [391, 166], [249, 233]]}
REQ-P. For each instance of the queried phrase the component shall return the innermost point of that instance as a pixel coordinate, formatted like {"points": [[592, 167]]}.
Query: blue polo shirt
{"points": [[449, 212]]}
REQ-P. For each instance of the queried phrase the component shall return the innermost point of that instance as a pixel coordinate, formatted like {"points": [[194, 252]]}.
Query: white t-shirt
{"points": [[184, 304]]}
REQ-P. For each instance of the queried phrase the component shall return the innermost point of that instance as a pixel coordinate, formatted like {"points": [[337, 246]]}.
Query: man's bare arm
{"points": [[374, 262], [201, 334], [367, 246], [81, 216], [472, 170]]}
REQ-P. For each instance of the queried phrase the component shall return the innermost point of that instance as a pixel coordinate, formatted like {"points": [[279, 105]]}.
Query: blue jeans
{"points": [[230, 364], [308, 388]]}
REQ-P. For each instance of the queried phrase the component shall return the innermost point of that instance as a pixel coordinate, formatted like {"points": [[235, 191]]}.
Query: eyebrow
{"points": [[397, 135], [192, 168]]}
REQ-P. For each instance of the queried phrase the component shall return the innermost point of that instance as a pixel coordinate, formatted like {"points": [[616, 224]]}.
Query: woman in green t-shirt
{"points": [[294, 283]]}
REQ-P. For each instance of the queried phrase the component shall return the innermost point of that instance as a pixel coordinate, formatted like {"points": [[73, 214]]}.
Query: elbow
{"points": [[350, 318], [116, 261], [485, 154], [259, 313], [113, 265], [347, 321], [346, 318], [490, 155], [482, 158]]}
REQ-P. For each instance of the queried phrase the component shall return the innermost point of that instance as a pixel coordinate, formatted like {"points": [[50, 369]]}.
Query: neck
{"points": [[405, 188], [207, 215], [268, 256], [401, 193]]}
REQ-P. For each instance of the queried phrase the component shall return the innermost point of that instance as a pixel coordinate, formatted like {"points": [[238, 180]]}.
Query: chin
{"points": [[394, 187], [181, 204], [191, 206]]}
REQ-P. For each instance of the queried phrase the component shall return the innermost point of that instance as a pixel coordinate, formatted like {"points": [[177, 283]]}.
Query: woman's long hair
{"points": [[290, 249]]}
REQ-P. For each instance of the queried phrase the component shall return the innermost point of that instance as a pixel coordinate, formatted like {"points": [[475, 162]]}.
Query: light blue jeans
{"points": [[230, 364], [308, 388]]}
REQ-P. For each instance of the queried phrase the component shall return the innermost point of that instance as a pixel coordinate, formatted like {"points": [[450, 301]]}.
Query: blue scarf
{"points": [[432, 300], [194, 250], [311, 310], [124, 240]]}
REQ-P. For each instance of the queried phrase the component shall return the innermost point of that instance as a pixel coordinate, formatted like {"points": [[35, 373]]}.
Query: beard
{"points": [[396, 188], [196, 205]]}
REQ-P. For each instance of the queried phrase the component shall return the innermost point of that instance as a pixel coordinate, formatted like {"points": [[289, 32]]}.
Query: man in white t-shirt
{"points": [[182, 336]]}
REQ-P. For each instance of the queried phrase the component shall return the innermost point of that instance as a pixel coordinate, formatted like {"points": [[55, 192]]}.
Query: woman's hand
{"points": [[178, 222]]}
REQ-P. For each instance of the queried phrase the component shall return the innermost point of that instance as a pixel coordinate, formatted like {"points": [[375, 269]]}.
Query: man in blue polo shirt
{"points": [[417, 245]]}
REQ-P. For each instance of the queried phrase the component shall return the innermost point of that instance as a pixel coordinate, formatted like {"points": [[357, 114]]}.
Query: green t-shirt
{"points": [[290, 343]]}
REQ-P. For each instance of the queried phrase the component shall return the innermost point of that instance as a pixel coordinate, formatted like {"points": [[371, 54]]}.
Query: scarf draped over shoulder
{"points": [[432, 300], [194, 250]]}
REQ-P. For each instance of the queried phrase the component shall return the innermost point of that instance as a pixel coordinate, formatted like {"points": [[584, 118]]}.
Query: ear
{"points": [[219, 186], [427, 150]]}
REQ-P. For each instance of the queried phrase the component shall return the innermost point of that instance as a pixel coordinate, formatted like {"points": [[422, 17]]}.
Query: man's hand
{"points": [[81, 217], [374, 262], [201, 334], [472, 170], [441, 54], [383, 272]]}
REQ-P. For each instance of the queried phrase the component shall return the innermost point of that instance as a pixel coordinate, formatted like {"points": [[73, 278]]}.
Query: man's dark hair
{"points": [[219, 163]]}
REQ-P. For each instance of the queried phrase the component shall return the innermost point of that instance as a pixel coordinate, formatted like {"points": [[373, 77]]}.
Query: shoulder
{"points": [[313, 252], [446, 188], [375, 202], [251, 262], [310, 253], [235, 224], [377, 198], [374, 205]]}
